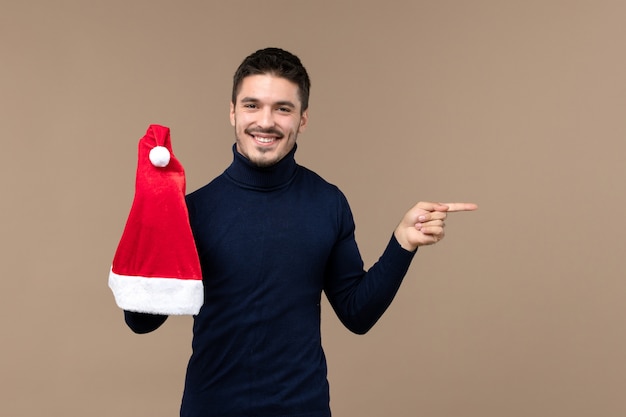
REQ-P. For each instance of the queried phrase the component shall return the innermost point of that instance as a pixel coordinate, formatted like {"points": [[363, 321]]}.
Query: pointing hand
{"points": [[424, 223]]}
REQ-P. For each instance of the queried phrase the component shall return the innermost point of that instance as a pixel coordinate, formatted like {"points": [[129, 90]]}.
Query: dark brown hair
{"points": [[277, 62]]}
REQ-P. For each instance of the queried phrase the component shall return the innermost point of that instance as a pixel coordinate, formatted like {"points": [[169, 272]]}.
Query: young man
{"points": [[272, 236]]}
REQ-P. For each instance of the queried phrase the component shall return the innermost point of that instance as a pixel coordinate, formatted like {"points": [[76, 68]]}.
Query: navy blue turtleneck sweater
{"points": [[270, 240]]}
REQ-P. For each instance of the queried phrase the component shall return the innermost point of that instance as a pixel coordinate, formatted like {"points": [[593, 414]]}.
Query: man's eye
{"points": [[249, 106], [284, 109]]}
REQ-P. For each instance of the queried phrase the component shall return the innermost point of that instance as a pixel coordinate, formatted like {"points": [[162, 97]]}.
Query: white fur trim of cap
{"points": [[168, 296]]}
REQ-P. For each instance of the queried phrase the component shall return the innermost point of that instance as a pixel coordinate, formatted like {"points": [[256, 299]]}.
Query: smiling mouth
{"points": [[266, 137], [264, 140]]}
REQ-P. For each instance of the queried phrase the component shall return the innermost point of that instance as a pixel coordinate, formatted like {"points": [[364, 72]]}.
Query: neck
{"points": [[247, 174]]}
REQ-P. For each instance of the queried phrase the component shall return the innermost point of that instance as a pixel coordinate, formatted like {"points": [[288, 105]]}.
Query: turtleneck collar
{"points": [[248, 175]]}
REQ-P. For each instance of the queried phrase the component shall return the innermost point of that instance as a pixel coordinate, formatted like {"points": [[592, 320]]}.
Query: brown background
{"points": [[518, 106]]}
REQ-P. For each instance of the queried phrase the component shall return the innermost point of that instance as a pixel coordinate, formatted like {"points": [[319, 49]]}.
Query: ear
{"points": [[304, 120], [232, 114]]}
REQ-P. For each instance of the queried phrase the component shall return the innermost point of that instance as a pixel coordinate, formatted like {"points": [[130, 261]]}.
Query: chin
{"points": [[263, 162]]}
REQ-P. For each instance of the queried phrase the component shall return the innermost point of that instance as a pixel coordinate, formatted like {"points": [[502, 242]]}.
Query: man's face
{"points": [[266, 117]]}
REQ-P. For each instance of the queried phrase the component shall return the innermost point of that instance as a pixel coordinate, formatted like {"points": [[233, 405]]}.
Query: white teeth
{"points": [[263, 140]]}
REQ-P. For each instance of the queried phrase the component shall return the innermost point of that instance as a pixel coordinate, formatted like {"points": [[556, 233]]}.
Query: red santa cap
{"points": [[156, 267]]}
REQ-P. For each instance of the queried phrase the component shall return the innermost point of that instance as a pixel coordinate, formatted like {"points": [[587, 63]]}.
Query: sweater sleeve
{"points": [[359, 297], [141, 323]]}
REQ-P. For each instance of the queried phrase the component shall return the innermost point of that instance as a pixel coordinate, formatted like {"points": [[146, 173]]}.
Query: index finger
{"points": [[460, 207]]}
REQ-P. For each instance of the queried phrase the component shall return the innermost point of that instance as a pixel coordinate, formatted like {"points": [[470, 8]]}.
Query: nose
{"points": [[266, 118]]}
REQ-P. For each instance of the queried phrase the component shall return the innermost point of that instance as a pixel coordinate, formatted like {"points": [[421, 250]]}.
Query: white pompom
{"points": [[159, 156]]}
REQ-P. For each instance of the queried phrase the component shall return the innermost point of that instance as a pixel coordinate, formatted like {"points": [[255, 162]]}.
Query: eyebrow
{"points": [[278, 103]]}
